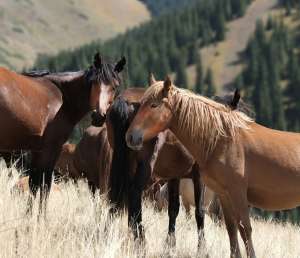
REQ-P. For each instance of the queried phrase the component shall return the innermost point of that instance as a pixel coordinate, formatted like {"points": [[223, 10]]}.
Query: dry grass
{"points": [[75, 228]]}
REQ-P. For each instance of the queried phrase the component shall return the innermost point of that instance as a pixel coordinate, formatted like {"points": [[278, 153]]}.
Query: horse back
{"points": [[27, 105]]}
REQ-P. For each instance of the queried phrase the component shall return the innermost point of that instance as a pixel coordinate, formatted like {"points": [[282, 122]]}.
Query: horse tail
{"points": [[118, 117]]}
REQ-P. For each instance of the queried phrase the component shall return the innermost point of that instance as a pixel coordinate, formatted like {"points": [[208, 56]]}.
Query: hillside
{"points": [[225, 57], [75, 227], [164, 45], [31, 27]]}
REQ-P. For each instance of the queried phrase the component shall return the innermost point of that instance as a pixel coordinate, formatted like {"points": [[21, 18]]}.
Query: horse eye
{"points": [[154, 105]]}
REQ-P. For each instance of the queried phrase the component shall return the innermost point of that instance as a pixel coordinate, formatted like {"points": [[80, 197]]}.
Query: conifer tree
{"points": [[209, 80], [181, 77], [199, 86]]}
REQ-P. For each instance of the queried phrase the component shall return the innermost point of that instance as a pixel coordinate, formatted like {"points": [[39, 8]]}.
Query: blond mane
{"points": [[204, 120]]}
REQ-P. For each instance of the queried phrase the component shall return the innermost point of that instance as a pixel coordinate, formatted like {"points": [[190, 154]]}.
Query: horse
{"points": [[131, 170], [186, 191], [39, 111], [90, 159], [241, 160], [159, 157]]}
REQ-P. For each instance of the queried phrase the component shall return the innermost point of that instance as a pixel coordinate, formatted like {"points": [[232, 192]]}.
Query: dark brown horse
{"points": [[39, 111], [89, 159], [160, 157]]}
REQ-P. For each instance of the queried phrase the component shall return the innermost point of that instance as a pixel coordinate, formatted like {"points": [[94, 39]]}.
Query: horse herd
{"points": [[139, 136]]}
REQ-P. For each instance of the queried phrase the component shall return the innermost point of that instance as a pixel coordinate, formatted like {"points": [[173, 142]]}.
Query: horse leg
{"points": [[187, 207], [173, 209], [92, 188], [35, 180], [231, 227], [241, 211], [40, 177], [135, 201], [45, 189], [198, 195]]}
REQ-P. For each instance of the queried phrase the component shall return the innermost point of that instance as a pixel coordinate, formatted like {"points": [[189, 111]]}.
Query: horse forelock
{"points": [[105, 73], [119, 112], [204, 120]]}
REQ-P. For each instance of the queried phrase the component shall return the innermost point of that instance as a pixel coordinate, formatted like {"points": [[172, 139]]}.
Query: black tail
{"points": [[119, 176]]}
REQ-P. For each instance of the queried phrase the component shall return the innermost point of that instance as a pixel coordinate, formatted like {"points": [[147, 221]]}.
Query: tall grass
{"points": [[75, 227]]}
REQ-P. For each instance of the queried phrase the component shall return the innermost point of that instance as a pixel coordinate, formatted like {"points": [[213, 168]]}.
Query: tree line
{"points": [[166, 44], [158, 7]]}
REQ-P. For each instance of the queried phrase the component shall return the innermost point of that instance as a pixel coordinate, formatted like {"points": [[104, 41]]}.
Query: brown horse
{"points": [[39, 111], [159, 157], [242, 161], [186, 192], [131, 170], [90, 159]]}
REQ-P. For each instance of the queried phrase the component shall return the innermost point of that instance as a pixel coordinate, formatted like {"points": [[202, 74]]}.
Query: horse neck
{"points": [[188, 140], [76, 94]]}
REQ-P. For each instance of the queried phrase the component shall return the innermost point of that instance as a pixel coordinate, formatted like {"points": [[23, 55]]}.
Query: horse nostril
{"points": [[135, 138], [131, 139]]}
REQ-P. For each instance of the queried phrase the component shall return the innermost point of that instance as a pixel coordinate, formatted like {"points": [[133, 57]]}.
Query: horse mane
{"points": [[204, 119], [105, 73], [118, 116]]}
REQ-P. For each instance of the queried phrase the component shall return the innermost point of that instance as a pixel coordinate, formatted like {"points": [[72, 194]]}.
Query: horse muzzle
{"points": [[97, 119], [134, 139]]}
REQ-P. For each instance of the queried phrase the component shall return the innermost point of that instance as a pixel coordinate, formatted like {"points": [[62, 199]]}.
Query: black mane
{"points": [[119, 117], [107, 73]]}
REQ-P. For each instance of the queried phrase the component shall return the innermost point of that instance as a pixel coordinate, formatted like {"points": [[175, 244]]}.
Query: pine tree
{"points": [[293, 92], [192, 53], [239, 82], [261, 96], [270, 23], [273, 61], [278, 119], [220, 26], [211, 88], [199, 86], [181, 77]]}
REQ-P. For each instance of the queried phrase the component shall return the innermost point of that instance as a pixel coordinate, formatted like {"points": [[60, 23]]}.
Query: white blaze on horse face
{"points": [[105, 98]]}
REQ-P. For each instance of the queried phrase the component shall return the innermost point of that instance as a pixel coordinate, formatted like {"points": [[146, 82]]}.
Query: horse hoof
{"points": [[171, 240]]}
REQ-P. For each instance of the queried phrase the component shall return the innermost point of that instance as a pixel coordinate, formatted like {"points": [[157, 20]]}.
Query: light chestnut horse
{"points": [[242, 161]]}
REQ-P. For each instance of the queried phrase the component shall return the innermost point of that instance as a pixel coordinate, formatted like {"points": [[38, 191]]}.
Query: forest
{"points": [[167, 44]]}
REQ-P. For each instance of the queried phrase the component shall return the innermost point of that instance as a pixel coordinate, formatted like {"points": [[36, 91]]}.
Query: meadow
{"points": [[75, 227]]}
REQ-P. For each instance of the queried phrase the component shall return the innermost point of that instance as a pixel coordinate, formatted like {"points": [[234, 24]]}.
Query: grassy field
{"points": [[30, 27], [75, 228]]}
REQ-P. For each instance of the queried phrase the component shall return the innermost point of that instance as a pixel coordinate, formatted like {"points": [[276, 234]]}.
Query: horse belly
{"points": [[274, 189]]}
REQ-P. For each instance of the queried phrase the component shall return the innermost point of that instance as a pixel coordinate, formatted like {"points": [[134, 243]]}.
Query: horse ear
{"points": [[120, 65], [151, 79], [235, 100], [97, 60], [167, 85]]}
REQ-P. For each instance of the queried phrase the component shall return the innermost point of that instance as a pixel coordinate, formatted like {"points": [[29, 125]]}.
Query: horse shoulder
{"points": [[29, 101]]}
